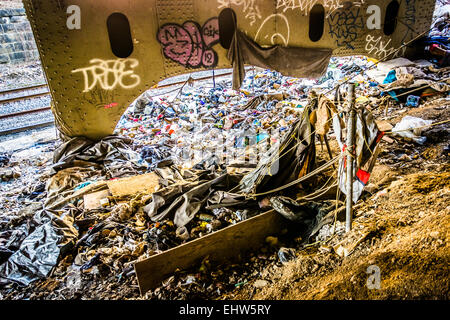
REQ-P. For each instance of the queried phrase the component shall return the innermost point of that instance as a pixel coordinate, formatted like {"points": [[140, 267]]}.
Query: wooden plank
{"points": [[384, 125], [220, 246], [147, 183]]}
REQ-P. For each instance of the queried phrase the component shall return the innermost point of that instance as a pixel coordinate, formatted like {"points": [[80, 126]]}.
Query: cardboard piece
{"points": [[384, 125], [146, 183], [92, 200]]}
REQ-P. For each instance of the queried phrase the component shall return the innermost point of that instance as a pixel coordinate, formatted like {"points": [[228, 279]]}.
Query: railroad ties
{"points": [[26, 108]]}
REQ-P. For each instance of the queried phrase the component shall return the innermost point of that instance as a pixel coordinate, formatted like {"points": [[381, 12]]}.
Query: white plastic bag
{"points": [[412, 128]]}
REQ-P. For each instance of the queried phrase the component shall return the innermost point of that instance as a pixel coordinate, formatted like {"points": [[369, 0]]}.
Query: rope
{"points": [[338, 194], [331, 162], [318, 193], [305, 177], [347, 149], [267, 168], [287, 143], [348, 153]]}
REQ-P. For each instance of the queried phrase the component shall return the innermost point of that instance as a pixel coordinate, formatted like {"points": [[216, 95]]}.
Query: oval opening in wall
{"points": [[390, 19], [227, 25], [316, 22], [120, 35]]}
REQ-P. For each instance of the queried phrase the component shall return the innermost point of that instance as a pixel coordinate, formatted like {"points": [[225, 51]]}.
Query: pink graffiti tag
{"points": [[190, 45], [210, 32]]}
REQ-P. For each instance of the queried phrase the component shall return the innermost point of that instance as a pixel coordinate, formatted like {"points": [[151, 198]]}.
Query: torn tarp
{"points": [[289, 61], [52, 230], [113, 152], [186, 194], [285, 162], [62, 184], [309, 214], [182, 200]]}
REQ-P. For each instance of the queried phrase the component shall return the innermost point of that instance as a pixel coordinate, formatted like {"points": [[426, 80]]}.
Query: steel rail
{"points": [[31, 96], [21, 113], [21, 129], [23, 88]]}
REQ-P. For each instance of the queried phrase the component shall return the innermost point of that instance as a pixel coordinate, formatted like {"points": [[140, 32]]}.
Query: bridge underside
{"points": [[123, 48]]}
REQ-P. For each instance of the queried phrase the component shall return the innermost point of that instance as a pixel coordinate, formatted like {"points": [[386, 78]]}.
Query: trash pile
{"points": [[436, 45]]}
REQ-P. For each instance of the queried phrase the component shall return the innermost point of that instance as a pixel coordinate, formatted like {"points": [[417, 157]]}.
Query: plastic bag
{"points": [[411, 128]]}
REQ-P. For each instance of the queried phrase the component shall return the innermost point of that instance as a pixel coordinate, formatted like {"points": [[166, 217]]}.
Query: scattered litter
{"points": [[412, 101], [286, 255], [188, 164]]}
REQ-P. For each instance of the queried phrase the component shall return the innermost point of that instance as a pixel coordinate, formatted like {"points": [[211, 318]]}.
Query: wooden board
{"points": [[92, 200], [384, 125], [147, 183], [220, 246]]}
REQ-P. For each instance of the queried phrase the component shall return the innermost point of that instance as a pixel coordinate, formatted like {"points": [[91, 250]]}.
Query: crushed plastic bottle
{"points": [[286, 254]]}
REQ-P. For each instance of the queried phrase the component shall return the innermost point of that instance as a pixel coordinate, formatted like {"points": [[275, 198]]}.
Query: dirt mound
{"points": [[405, 234]]}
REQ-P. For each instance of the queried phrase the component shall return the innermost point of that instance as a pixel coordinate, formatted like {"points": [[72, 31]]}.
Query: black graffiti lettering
{"points": [[345, 25]]}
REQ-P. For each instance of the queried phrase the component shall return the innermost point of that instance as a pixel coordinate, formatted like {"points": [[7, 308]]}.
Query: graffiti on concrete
{"points": [[305, 6], [382, 49], [345, 25], [189, 44], [283, 30], [302, 5], [250, 8], [110, 74], [409, 19]]}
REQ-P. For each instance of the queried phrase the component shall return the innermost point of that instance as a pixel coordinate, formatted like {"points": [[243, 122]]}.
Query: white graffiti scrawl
{"points": [[302, 5], [306, 5], [283, 33], [382, 49], [251, 9], [110, 74]]}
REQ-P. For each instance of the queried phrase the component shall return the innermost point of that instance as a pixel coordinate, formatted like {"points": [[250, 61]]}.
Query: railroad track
{"points": [[24, 109], [28, 108], [23, 93]]}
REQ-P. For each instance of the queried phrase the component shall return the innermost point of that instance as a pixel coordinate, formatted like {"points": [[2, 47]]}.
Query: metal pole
{"points": [[350, 152]]}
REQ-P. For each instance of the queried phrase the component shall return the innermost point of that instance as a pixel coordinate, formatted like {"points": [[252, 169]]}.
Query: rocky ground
{"points": [[401, 227], [21, 75]]}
